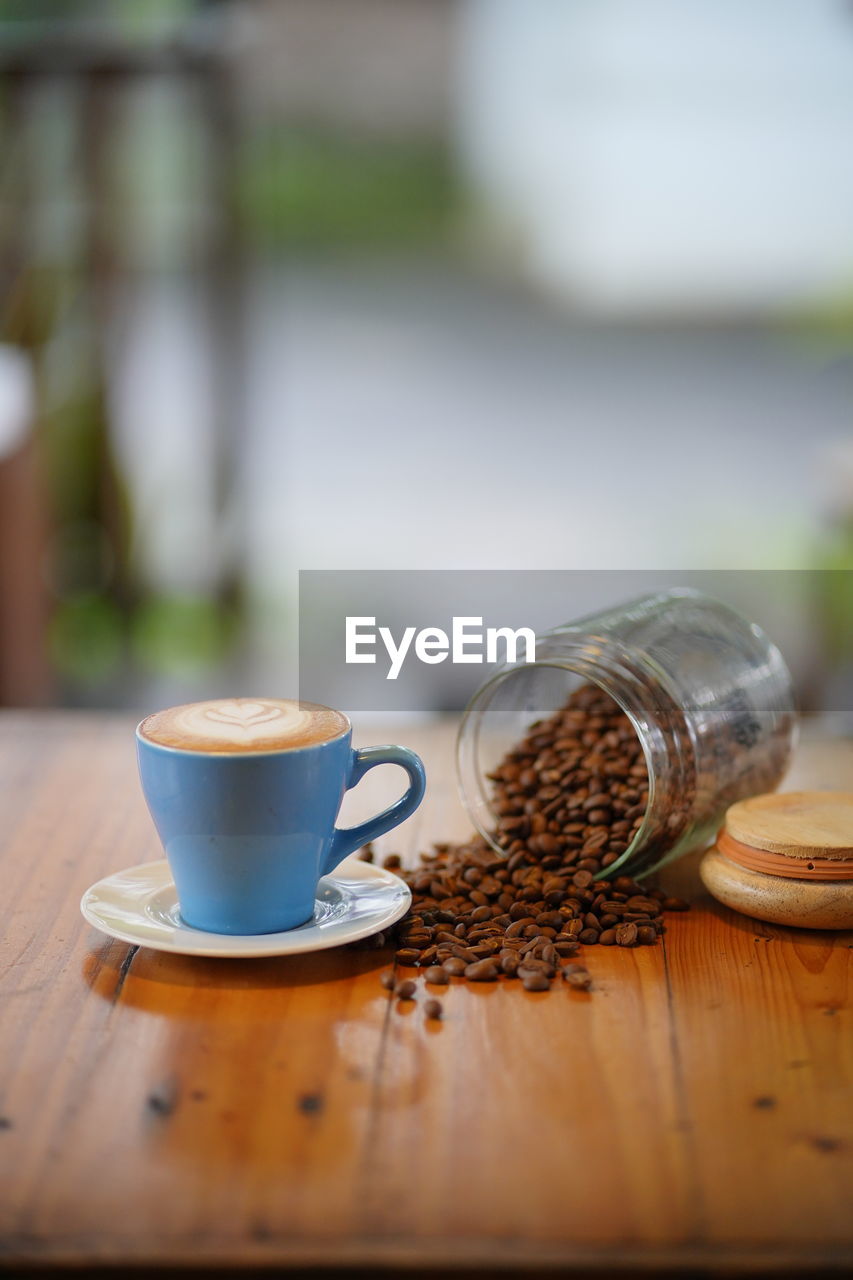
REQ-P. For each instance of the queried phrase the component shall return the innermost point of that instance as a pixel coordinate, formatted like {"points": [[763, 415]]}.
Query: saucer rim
{"points": [[227, 946]]}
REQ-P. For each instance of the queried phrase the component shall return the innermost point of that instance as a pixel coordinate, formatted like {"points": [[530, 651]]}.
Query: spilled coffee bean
{"points": [[534, 981], [577, 975]]}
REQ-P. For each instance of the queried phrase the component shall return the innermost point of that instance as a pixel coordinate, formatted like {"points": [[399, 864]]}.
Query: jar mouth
{"points": [[585, 668], [707, 695]]}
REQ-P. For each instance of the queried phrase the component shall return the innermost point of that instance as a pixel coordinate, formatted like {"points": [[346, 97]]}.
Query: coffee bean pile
{"points": [[569, 799], [478, 915], [576, 787]]}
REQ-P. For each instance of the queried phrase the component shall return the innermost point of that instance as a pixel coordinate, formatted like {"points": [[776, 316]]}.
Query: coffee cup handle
{"points": [[347, 839]]}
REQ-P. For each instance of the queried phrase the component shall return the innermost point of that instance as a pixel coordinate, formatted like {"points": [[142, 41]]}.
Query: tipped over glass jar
{"points": [[706, 693]]}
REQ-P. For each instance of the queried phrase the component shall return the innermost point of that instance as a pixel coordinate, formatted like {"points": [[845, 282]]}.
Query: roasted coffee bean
{"points": [[406, 956], [550, 919], [675, 904], [405, 990], [625, 934], [468, 954], [454, 966], [588, 937], [535, 982], [486, 934], [392, 862], [646, 934], [509, 963], [436, 975], [433, 1009], [482, 971], [519, 925], [417, 941], [532, 964], [567, 947], [607, 938], [645, 906], [577, 976]]}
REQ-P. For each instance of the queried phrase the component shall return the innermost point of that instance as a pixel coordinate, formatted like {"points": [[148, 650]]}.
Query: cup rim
{"points": [[241, 755]]}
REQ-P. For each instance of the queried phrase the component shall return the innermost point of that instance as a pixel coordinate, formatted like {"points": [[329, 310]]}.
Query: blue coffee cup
{"points": [[249, 834]]}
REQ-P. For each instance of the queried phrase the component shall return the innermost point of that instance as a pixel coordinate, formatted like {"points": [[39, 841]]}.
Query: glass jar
{"points": [[707, 692]]}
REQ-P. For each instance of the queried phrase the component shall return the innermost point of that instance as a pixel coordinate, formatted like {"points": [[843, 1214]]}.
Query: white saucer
{"points": [[140, 906]]}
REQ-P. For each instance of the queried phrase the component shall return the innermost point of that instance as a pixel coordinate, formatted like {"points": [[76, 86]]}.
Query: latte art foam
{"points": [[244, 724]]}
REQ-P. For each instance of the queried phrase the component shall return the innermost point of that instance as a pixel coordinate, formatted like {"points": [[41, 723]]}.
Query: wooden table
{"points": [[691, 1114]]}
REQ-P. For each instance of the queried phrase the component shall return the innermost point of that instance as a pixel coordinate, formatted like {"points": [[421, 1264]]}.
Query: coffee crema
{"points": [[229, 725]]}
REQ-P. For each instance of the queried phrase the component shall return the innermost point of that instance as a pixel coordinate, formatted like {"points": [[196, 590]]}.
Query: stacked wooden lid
{"points": [[786, 858]]}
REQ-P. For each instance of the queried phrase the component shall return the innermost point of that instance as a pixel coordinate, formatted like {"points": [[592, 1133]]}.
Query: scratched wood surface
{"points": [[692, 1112]]}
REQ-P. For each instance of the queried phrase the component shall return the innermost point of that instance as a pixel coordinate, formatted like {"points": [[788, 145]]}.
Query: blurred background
{"points": [[412, 284]]}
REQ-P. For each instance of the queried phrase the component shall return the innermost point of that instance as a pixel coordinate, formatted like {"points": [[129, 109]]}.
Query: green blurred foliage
{"points": [[826, 329], [85, 639], [309, 189], [181, 635], [44, 10], [129, 15], [836, 596]]}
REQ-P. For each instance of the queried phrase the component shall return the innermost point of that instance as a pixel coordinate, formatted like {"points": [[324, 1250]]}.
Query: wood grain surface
{"points": [[692, 1113]]}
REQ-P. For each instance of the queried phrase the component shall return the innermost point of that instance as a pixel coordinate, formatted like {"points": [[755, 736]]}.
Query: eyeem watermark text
{"points": [[468, 642]]}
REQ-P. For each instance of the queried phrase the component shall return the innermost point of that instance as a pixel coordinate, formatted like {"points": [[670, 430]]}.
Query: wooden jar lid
{"points": [[787, 858], [798, 824], [805, 904]]}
